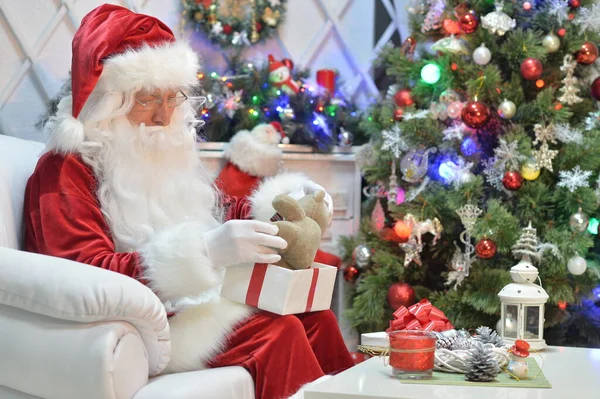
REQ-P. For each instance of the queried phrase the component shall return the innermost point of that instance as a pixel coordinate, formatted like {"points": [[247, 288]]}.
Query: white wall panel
{"points": [[35, 43]]}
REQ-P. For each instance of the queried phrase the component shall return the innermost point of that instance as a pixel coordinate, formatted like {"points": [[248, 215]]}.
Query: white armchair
{"points": [[69, 330]]}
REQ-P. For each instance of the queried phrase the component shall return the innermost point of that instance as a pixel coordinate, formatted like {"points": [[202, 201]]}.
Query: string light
{"points": [[540, 83], [213, 75], [593, 226], [561, 32], [431, 73], [200, 75]]}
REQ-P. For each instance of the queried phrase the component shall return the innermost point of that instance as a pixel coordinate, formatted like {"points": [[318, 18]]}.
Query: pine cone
{"points": [[488, 336], [445, 343], [462, 344], [481, 364]]}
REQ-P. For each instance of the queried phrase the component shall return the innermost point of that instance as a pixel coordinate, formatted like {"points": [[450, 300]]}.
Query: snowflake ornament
{"points": [[232, 102], [494, 169], [544, 133], [560, 9], [574, 179], [420, 114], [508, 154], [454, 131], [592, 121], [544, 156], [566, 134], [217, 28], [460, 172], [588, 19], [393, 141]]}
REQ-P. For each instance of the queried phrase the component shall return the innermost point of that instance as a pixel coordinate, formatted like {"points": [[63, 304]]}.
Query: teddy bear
{"points": [[305, 221]]}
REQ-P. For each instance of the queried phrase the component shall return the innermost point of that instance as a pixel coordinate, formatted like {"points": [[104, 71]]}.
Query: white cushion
{"points": [[217, 383], [17, 161], [72, 291]]}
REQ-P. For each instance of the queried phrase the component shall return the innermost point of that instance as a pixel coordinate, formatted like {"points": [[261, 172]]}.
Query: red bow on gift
{"points": [[420, 316]]}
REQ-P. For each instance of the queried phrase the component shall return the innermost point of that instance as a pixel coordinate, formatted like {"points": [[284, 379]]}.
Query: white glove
{"points": [[243, 241], [310, 187]]}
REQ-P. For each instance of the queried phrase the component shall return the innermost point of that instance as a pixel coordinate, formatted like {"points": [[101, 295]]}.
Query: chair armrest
{"points": [[72, 291], [57, 359]]}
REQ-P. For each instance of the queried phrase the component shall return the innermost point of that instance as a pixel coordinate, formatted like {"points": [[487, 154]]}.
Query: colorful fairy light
{"points": [[593, 226], [431, 73]]}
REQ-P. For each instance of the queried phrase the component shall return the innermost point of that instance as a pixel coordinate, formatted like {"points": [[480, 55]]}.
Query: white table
{"points": [[573, 372]]}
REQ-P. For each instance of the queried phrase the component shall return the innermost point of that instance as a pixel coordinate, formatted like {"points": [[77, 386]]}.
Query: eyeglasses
{"points": [[172, 102]]}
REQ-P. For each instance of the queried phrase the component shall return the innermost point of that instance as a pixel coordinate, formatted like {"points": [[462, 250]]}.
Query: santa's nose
{"points": [[162, 115]]}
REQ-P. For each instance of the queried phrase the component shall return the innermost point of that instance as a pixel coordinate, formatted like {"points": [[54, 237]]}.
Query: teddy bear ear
{"points": [[288, 207], [319, 195]]}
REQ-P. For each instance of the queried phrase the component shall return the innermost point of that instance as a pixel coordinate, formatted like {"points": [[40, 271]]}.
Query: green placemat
{"points": [[502, 380]]}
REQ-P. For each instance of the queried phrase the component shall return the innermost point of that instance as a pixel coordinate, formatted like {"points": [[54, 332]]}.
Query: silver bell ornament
{"points": [[482, 55], [345, 138], [507, 109], [361, 256], [551, 42], [579, 221], [577, 265]]}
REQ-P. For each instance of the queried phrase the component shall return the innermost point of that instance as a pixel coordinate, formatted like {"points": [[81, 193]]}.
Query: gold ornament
{"points": [[212, 18], [544, 156], [530, 170], [412, 252], [198, 16], [270, 17]]}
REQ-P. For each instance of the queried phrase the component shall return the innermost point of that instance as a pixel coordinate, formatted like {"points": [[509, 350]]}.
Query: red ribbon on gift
{"points": [[420, 316], [257, 280]]}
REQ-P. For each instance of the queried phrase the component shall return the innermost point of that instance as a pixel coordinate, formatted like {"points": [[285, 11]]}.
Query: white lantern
{"points": [[522, 315]]}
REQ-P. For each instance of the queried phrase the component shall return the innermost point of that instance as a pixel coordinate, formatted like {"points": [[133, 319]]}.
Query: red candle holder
{"points": [[412, 353]]}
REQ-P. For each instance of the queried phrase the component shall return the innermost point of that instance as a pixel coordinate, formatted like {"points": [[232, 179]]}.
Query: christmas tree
{"points": [[250, 93], [491, 123]]}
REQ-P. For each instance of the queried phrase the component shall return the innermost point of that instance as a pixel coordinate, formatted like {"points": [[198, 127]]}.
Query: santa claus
{"points": [[122, 188]]}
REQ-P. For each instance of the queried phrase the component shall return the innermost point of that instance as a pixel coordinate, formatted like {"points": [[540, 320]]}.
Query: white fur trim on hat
{"points": [[252, 155], [65, 133], [168, 66]]}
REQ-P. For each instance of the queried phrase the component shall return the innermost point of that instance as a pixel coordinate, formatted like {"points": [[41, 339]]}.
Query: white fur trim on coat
{"points": [[176, 263], [199, 333], [253, 156], [168, 66], [284, 183]]}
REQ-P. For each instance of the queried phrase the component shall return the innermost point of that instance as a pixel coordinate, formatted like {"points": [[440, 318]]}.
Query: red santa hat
{"points": [[274, 64], [118, 50]]}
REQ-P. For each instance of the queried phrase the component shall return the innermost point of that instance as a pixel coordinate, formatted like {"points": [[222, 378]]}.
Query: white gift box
{"points": [[378, 339], [280, 290]]}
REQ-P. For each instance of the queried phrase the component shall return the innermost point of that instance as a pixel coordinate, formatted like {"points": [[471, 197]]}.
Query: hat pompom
{"points": [[65, 133]]}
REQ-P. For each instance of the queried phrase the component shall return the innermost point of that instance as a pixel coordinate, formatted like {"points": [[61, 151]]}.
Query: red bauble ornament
{"points": [[258, 26], [596, 89], [351, 273], [485, 248], [451, 27], [227, 29], [398, 114], [468, 22], [401, 294], [475, 114], [561, 32], [403, 230], [512, 181], [587, 54], [531, 68], [288, 63], [402, 98], [574, 3]]}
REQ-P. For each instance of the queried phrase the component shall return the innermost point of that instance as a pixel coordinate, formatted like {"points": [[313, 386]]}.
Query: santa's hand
{"points": [[243, 241]]}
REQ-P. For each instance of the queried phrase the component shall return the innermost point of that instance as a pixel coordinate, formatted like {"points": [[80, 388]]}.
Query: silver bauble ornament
{"points": [[551, 42], [482, 55], [507, 109], [467, 177], [345, 138], [577, 265], [448, 96], [579, 222], [361, 255]]}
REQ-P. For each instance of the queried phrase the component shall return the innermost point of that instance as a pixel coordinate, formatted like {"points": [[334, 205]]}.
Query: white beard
{"points": [[150, 178]]}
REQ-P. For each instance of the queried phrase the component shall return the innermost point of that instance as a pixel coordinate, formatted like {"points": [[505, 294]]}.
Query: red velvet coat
{"points": [[63, 217]]}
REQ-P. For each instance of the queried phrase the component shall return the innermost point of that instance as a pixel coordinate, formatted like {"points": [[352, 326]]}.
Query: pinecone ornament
{"points": [[481, 364], [445, 342], [461, 344], [488, 336]]}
